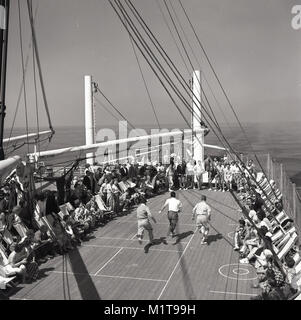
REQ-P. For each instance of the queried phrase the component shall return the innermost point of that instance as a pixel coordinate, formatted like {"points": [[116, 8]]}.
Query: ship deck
{"points": [[112, 265]]}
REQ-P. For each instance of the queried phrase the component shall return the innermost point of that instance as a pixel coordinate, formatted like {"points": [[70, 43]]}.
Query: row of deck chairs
{"points": [[284, 234]]}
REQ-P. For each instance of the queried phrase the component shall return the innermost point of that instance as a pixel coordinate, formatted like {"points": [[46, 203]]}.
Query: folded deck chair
{"points": [[288, 246]]}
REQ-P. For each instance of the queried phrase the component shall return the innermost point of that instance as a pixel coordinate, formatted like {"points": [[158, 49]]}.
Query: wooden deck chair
{"points": [[277, 236], [280, 244], [154, 181], [4, 281], [131, 184], [288, 246], [296, 257], [63, 211], [123, 187], [298, 297], [69, 207], [281, 217], [298, 267], [7, 236], [100, 203], [48, 221], [21, 229]]}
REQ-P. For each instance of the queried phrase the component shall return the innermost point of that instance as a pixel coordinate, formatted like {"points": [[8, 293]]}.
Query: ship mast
{"points": [[4, 19]]}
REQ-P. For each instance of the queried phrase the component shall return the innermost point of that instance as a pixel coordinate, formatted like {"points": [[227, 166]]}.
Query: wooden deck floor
{"points": [[112, 265]]}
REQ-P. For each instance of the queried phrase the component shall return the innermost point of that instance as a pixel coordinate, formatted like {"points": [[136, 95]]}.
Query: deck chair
{"points": [[63, 211], [131, 184], [4, 281], [298, 297], [287, 246], [7, 236], [21, 229], [100, 203], [277, 236], [48, 221], [298, 267], [281, 217], [123, 187], [102, 206]]}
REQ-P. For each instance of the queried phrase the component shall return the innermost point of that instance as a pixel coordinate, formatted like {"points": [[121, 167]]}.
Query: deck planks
{"points": [[113, 265]]}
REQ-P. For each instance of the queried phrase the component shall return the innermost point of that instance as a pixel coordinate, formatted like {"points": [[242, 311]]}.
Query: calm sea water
{"points": [[281, 140]]}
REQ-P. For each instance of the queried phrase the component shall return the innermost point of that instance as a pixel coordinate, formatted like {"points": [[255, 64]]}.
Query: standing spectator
{"points": [[198, 171], [181, 171], [190, 174]]}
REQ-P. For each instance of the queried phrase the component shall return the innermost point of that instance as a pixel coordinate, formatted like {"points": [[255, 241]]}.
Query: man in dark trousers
{"points": [[174, 207]]}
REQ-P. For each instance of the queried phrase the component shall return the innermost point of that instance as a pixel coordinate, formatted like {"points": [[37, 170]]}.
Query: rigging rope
{"points": [[231, 148], [23, 70], [145, 84], [35, 45], [223, 89], [111, 104], [36, 96]]}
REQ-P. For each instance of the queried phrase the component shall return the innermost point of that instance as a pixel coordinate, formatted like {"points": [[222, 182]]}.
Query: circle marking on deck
{"points": [[235, 272], [230, 234]]}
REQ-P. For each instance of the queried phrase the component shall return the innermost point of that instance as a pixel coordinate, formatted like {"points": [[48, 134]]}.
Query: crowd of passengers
{"points": [[278, 279], [56, 221], [62, 219]]}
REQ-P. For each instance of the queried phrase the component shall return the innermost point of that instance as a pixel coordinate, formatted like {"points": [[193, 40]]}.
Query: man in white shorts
{"points": [[174, 207], [202, 211], [143, 216]]}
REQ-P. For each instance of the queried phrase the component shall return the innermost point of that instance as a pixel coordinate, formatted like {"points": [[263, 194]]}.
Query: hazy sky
{"points": [[250, 42]]}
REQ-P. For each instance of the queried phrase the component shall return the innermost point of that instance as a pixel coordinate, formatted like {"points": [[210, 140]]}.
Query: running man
{"points": [[143, 216], [202, 211], [174, 207]]}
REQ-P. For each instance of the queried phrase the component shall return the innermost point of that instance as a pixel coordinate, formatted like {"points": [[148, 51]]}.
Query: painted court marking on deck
{"points": [[175, 267], [109, 261], [107, 276]]}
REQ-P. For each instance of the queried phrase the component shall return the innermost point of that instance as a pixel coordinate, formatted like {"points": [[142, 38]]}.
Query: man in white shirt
{"points": [[143, 216], [190, 174], [202, 211], [174, 207], [198, 171]]}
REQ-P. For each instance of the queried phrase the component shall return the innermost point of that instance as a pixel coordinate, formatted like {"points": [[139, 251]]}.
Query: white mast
{"points": [[89, 117], [198, 139]]}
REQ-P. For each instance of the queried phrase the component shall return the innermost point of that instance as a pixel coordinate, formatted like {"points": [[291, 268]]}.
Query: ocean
{"points": [[281, 140]]}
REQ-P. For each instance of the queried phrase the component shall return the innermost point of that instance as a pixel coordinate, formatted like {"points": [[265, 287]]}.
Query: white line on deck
{"points": [[236, 293], [164, 223], [174, 269], [108, 261], [126, 239], [131, 248], [107, 276]]}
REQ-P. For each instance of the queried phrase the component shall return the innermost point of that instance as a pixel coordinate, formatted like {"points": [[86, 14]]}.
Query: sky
{"points": [[251, 44]]}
